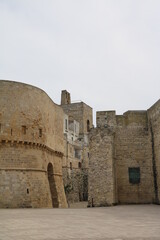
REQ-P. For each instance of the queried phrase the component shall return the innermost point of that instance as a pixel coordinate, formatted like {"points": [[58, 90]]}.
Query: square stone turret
{"points": [[65, 97]]}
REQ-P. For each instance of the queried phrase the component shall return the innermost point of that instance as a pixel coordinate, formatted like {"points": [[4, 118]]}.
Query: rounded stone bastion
{"points": [[31, 148]]}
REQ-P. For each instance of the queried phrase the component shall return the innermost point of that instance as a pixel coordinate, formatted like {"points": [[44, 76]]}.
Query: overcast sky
{"points": [[104, 52]]}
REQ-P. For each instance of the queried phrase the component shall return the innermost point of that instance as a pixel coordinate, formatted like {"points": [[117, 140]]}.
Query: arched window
{"points": [[88, 125]]}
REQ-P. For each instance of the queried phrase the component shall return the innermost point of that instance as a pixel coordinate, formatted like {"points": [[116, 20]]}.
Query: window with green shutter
{"points": [[134, 175]]}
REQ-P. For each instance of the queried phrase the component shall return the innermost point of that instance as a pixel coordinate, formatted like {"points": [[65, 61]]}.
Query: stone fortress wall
{"points": [[125, 158], [31, 148], [51, 155], [154, 125], [133, 150]]}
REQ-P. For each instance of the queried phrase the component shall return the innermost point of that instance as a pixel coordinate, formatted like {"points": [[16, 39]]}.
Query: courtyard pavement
{"points": [[120, 222]]}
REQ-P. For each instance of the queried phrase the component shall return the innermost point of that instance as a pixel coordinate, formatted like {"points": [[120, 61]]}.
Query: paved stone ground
{"points": [[119, 222]]}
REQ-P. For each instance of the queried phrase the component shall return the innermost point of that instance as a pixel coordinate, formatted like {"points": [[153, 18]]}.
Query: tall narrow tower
{"points": [[65, 97]]}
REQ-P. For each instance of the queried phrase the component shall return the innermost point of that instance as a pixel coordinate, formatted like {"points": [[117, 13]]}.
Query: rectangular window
{"points": [[77, 154], [66, 124], [40, 132], [24, 130], [70, 165], [134, 175]]}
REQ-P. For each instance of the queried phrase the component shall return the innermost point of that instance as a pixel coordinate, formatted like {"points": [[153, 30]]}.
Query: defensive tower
{"points": [[31, 148]]}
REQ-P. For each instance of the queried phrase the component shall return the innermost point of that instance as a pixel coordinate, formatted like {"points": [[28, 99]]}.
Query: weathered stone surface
{"points": [[31, 137], [133, 149], [118, 144], [154, 126], [101, 168], [75, 168]]}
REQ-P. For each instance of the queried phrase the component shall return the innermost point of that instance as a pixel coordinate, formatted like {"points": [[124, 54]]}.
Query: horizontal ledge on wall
{"points": [[29, 169], [32, 145], [22, 169], [82, 168]]}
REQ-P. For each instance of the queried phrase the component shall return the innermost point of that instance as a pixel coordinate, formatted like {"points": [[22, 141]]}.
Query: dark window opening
{"points": [[88, 154], [40, 132], [66, 124], [79, 165], [11, 131], [24, 130], [88, 125], [134, 175], [70, 165], [27, 191]]}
